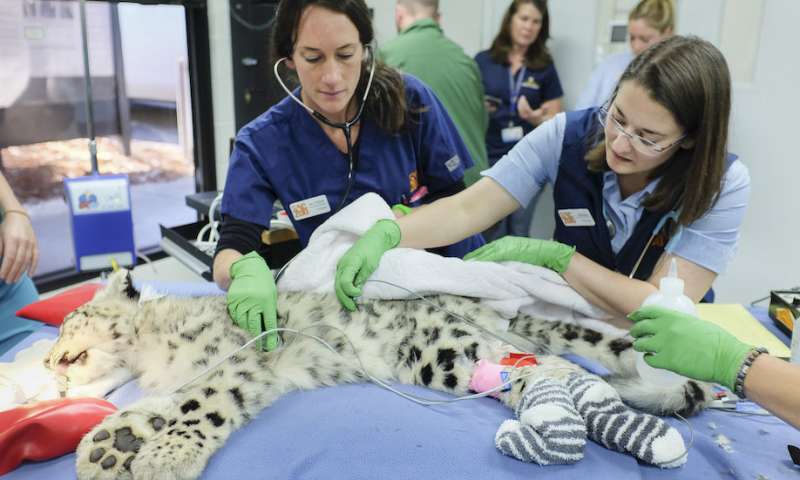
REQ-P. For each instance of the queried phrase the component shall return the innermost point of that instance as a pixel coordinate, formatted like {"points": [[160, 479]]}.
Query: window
{"points": [[143, 116]]}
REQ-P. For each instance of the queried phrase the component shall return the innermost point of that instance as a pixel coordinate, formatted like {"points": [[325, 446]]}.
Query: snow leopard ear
{"points": [[118, 285]]}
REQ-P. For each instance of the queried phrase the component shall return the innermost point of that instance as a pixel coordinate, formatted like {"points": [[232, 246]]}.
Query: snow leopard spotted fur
{"points": [[164, 342]]}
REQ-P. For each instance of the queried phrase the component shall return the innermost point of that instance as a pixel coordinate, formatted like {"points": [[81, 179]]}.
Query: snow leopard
{"points": [[174, 430]]}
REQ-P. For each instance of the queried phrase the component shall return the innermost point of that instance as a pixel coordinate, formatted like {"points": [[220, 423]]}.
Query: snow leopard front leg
{"points": [[174, 436]]}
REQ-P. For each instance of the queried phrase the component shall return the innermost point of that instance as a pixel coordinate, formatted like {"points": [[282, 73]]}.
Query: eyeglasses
{"points": [[641, 145]]}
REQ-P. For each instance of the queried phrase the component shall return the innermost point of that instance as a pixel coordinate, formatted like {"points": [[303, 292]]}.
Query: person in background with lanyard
{"points": [[353, 126], [20, 255], [522, 90], [656, 150], [649, 22]]}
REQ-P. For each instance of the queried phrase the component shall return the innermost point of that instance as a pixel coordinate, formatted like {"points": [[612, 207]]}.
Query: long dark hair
{"points": [[689, 77], [537, 56], [386, 102]]}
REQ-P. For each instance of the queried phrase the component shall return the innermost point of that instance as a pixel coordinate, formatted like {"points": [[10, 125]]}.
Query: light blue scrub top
{"points": [[604, 80], [709, 241]]}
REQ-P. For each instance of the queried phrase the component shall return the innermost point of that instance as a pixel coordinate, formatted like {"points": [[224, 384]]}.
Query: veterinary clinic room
{"points": [[399, 239]]}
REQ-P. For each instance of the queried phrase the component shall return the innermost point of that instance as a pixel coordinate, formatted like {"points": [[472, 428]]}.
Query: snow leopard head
{"points": [[92, 339]]}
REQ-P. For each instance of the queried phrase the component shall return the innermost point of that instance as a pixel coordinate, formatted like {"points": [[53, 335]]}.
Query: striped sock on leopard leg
{"points": [[612, 424], [549, 430]]}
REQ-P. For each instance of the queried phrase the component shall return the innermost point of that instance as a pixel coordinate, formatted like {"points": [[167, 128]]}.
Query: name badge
{"points": [[310, 207], [576, 217], [453, 163], [512, 134]]}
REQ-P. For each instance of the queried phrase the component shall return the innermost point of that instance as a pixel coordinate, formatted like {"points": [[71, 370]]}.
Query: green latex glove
{"points": [[543, 253], [404, 209], [358, 263], [252, 298], [687, 345]]}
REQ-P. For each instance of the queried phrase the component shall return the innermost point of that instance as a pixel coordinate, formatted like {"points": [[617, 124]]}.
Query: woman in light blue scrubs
{"points": [[522, 90], [640, 181], [649, 22], [353, 126]]}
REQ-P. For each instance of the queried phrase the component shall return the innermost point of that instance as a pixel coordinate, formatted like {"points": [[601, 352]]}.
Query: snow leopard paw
{"points": [[110, 449]]}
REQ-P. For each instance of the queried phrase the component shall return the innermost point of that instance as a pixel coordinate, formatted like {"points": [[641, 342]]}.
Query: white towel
{"points": [[508, 288], [25, 379]]}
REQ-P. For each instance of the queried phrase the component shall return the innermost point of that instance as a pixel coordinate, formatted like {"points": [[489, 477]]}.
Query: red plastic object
{"points": [[47, 429], [53, 310], [519, 360]]}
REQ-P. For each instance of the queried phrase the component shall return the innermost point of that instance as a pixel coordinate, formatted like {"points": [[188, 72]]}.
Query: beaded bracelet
{"points": [[14, 210], [738, 385]]}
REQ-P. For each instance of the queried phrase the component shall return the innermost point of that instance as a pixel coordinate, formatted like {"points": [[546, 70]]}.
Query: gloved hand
{"points": [[253, 295], [687, 345], [543, 253], [358, 263], [401, 210]]}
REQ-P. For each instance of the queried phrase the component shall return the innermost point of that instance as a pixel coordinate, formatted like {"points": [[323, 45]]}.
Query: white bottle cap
{"points": [[671, 285]]}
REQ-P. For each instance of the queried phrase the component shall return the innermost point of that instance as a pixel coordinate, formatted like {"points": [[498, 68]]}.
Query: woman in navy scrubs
{"points": [[353, 126], [641, 180], [522, 90]]}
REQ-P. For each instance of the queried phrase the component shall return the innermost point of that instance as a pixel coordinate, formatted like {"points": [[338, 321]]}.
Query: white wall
{"points": [[764, 135]]}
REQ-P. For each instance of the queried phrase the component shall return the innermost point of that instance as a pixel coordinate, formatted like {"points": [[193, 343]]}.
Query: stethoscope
{"points": [[345, 127], [673, 215]]}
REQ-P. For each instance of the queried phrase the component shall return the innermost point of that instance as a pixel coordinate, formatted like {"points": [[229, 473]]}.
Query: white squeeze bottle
{"points": [[670, 295]]}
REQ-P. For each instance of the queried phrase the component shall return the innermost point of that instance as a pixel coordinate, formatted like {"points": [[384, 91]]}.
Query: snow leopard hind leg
{"points": [[617, 355]]}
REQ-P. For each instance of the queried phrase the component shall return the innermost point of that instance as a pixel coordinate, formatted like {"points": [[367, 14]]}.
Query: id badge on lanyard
{"points": [[514, 133]]}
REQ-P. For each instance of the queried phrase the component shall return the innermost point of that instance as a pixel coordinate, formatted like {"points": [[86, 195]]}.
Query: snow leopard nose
{"points": [[52, 359], [57, 360]]}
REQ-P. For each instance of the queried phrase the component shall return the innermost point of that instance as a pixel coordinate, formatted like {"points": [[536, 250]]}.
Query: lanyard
{"points": [[515, 87], [672, 215]]}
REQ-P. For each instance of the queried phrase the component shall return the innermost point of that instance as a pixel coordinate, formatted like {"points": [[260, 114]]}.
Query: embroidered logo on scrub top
{"points": [[413, 181], [310, 207], [530, 82]]}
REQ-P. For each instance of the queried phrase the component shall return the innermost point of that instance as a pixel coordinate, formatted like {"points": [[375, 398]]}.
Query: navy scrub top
{"points": [[538, 86], [284, 154]]}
